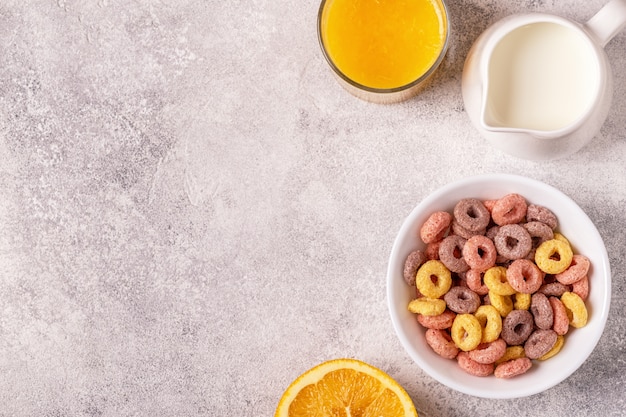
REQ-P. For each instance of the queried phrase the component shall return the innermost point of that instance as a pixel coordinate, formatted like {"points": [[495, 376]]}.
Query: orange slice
{"points": [[345, 388]]}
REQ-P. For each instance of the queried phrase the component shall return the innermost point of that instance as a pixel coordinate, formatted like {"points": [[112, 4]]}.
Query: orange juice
{"points": [[383, 44]]}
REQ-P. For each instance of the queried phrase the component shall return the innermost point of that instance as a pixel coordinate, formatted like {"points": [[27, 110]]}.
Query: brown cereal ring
{"points": [[513, 241], [539, 343], [577, 269], [512, 352], [542, 311], [581, 287], [560, 341], [441, 343], [471, 214], [539, 232], [435, 227], [432, 251], [555, 289], [512, 368], [502, 303], [488, 352], [474, 280], [462, 300], [472, 367], [524, 276], [495, 279], [541, 214], [440, 321], [490, 322], [553, 256], [521, 301], [479, 253], [516, 327], [576, 309], [451, 253], [433, 279], [459, 230], [509, 209], [466, 332], [561, 320], [412, 264]]}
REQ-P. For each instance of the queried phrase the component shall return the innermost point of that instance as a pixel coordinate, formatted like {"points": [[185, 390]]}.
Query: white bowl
{"points": [[574, 224]]}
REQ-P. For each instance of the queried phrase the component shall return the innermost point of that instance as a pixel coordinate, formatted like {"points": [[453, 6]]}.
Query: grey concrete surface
{"points": [[193, 211]]}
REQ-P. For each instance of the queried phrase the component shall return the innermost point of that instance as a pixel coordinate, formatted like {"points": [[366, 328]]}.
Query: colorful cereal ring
{"points": [[437, 287], [490, 322], [427, 306], [496, 280], [553, 256], [576, 309], [466, 332]]}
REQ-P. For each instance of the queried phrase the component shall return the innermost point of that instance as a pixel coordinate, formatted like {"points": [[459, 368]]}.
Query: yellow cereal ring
{"points": [[490, 322], [562, 238], [502, 303], [424, 279], [495, 280], [522, 301], [427, 306], [512, 352], [553, 256], [466, 332], [576, 309], [555, 349]]}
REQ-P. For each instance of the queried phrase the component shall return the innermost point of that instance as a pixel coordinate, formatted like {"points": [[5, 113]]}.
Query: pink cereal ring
{"points": [[560, 323], [509, 209], [524, 276], [441, 343], [488, 352], [432, 250], [435, 227], [479, 253], [581, 287], [512, 368], [474, 280], [575, 271], [472, 367], [438, 322]]}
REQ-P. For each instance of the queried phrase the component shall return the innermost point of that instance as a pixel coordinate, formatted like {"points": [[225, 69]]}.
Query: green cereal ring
{"points": [[490, 321], [495, 280], [437, 287], [466, 332], [553, 256]]}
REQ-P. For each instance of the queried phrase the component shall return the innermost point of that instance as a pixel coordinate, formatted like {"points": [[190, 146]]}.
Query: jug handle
{"points": [[607, 22]]}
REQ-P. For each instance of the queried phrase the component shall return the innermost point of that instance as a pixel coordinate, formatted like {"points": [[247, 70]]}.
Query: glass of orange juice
{"points": [[383, 51]]}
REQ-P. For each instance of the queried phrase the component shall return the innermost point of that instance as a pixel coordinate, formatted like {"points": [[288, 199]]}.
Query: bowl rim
{"points": [[510, 389]]}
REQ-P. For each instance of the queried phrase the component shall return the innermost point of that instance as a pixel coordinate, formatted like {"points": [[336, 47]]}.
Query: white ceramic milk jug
{"points": [[539, 86]]}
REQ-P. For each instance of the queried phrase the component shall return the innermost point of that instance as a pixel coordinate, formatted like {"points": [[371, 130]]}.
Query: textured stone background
{"points": [[193, 212]]}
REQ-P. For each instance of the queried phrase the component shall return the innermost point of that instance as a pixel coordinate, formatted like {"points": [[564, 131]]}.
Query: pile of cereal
{"points": [[497, 286]]}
